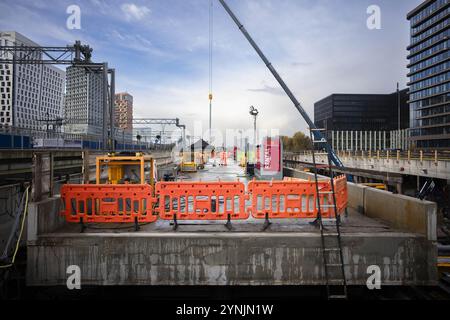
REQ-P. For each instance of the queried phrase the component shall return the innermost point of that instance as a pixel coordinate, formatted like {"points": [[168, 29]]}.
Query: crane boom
{"points": [[316, 133]]}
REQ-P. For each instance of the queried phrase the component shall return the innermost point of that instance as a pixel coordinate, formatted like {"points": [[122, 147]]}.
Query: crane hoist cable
{"points": [[211, 37]]}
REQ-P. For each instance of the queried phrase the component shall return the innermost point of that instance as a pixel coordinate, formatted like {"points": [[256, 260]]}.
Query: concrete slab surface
{"points": [[207, 253]]}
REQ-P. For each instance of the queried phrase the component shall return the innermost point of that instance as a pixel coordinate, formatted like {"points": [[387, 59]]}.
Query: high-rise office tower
{"points": [[124, 111], [429, 74], [30, 94], [83, 111]]}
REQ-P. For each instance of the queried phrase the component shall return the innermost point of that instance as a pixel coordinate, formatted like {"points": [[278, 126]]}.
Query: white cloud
{"points": [[134, 12], [317, 49], [136, 42]]}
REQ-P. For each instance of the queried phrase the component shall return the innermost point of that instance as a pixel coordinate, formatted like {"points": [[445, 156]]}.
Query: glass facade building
{"points": [[429, 75], [362, 112]]}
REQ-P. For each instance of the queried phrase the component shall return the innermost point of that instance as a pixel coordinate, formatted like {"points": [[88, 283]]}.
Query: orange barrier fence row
{"points": [[215, 200], [201, 200], [108, 203], [287, 199]]}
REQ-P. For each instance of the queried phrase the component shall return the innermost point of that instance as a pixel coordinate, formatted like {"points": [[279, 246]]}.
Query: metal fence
{"points": [[421, 155], [25, 138]]}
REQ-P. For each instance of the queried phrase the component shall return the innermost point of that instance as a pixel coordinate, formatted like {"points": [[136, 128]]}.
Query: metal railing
{"points": [[56, 139], [419, 155]]}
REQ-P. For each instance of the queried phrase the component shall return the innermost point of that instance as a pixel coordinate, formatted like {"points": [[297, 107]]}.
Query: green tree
{"points": [[296, 143]]}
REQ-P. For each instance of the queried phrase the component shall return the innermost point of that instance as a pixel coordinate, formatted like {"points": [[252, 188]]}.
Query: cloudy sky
{"points": [[159, 49]]}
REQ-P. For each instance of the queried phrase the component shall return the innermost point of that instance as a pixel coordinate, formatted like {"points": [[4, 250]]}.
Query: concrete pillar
{"points": [[393, 139], [337, 141], [365, 140], [37, 176], [361, 141], [384, 140], [332, 140], [85, 169], [42, 175], [370, 140], [342, 140], [401, 139], [404, 139], [351, 140], [375, 142], [51, 184], [398, 139], [399, 188], [346, 140], [380, 141]]}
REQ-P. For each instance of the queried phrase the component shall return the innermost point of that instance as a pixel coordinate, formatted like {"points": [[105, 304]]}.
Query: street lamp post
{"points": [[254, 113], [240, 140]]}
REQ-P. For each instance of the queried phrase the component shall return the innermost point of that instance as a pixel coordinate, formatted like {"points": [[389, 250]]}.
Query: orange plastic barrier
{"points": [[215, 200], [223, 158], [341, 192], [201, 200], [108, 203], [295, 198]]}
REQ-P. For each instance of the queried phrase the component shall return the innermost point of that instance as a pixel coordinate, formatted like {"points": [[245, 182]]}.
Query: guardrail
{"points": [[26, 138], [420, 155]]}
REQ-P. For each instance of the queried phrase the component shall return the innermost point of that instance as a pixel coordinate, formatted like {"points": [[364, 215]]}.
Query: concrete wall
{"points": [[170, 258], [399, 211], [9, 201], [43, 217]]}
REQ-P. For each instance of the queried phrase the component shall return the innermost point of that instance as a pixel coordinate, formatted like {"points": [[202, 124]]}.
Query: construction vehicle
{"points": [[125, 168], [379, 186], [122, 193], [188, 166]]}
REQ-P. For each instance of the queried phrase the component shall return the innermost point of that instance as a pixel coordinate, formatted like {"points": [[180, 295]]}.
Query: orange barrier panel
{"points": [[223, 158], [108, 203], [340, 189], [201, 200], [294, 199]]}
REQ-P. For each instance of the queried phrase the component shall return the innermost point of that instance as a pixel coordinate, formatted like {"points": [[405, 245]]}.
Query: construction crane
{"points": [[317, 135]]}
